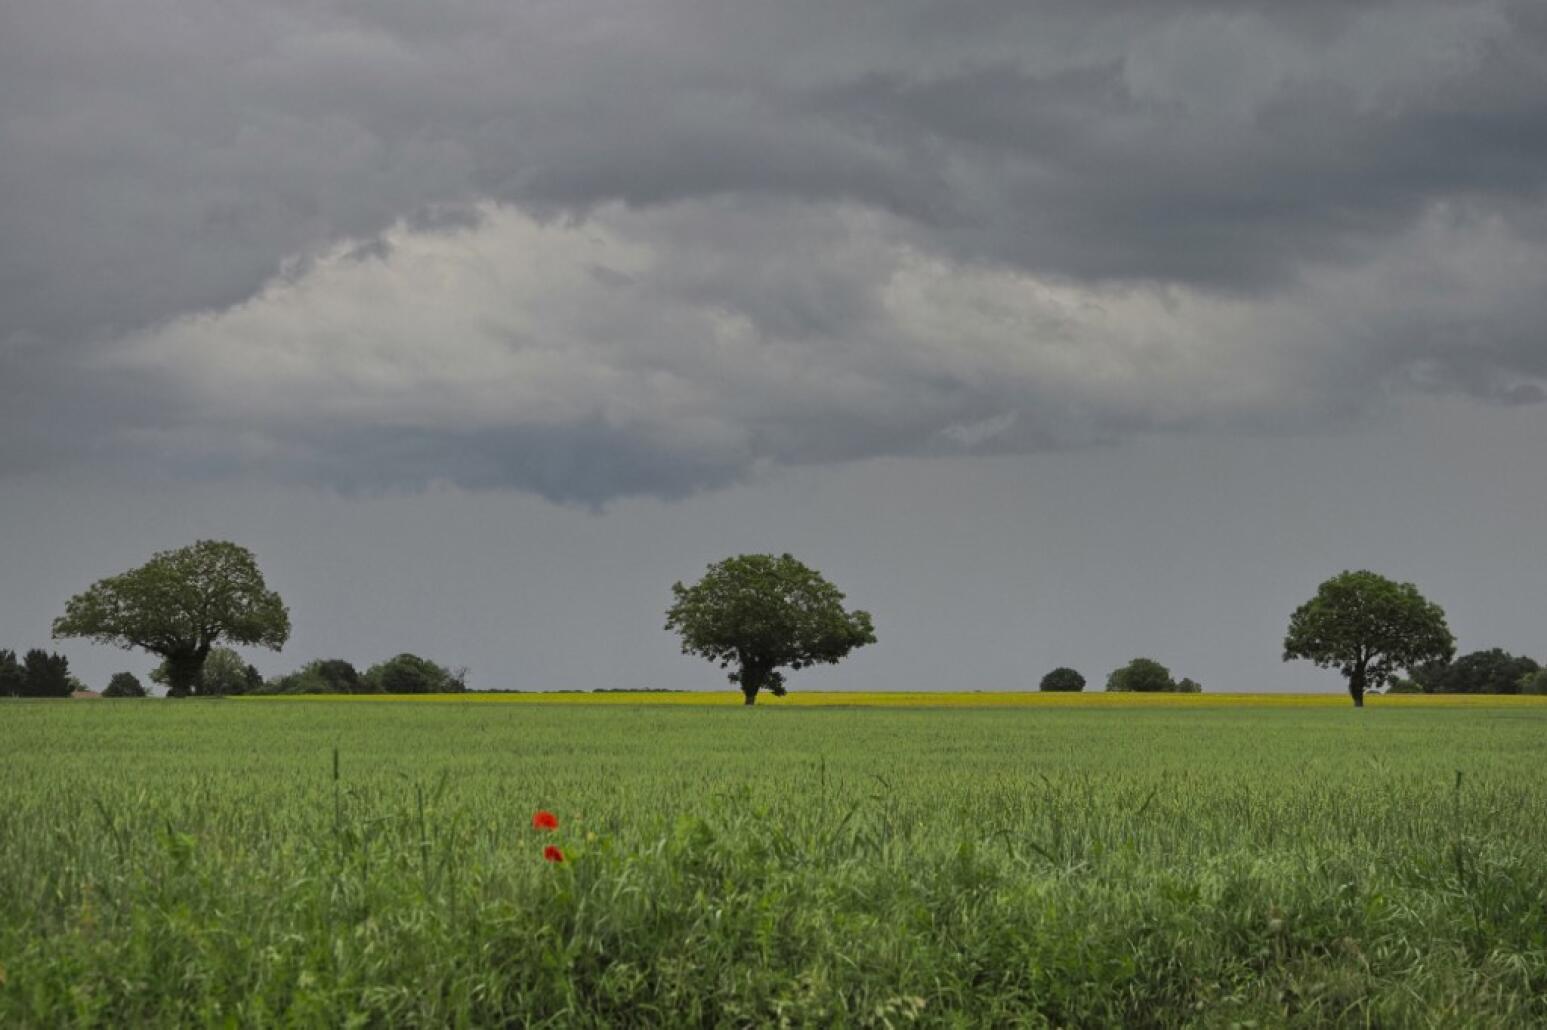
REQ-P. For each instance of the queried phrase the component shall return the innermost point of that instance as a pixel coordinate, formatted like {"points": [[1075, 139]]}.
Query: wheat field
{"points": [[1007, 860]]}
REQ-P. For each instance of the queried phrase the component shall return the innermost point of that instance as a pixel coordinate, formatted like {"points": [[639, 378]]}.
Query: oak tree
{"points": [[760, 613], [1368, 628], [179, 605]]}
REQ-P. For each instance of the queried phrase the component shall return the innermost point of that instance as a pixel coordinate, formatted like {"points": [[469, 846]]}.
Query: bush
{"points": [[1534, 683], [1189, 686], [1401, 685], [124, 684], [1142, 675], [1062, 680], [410, 674]]}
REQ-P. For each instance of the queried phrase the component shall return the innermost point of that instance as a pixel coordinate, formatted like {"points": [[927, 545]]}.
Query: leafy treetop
{"points": [[761, 613], [1144, 675], [179, 605], [1062, 679], [1368, 628]]}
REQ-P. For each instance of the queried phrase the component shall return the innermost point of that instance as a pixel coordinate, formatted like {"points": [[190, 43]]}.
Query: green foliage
{"points": [[1188, 686], [187, 866], [340, 675], [1534, 683], [1143, 675], [1402, 685], [410, 674], [1495, 671], [179, 605], [305, 680], [1062, 679], [46, 675], [224, 674], [124, 684], [761, 613], [12, 677], [325, 676], [1368, 628]]}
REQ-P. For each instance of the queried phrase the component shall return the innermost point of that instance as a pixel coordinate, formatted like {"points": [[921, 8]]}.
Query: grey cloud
{"points": [[171, 164]]}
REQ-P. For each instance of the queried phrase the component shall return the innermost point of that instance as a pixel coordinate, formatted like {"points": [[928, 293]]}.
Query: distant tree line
{"points": [[401, 674], [38, 673], [1494, 671], [753, 615], [226, 674], [1142, 675]]}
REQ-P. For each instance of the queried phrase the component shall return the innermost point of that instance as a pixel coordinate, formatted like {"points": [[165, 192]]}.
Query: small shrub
{"points": [[1534, 683], [1402, 685], [1188, 686], [1063, 680]]}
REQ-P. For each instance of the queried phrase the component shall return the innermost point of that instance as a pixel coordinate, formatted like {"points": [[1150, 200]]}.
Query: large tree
{"points": [[1368, 628], [761, 613], [179, 605]]}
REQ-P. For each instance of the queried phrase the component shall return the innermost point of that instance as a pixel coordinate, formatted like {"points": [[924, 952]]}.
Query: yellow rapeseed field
{"points": [[939, 699]]}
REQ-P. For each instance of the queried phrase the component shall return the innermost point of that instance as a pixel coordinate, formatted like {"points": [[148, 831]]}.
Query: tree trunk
{"points": [[751, 678], [1356, 686], [185, 672]]}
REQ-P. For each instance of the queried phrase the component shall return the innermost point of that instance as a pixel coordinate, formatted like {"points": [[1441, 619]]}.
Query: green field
{"points": [[200, 863]]}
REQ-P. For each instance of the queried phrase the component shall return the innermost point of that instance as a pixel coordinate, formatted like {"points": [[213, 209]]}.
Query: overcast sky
{"points": [[1055, 333]]}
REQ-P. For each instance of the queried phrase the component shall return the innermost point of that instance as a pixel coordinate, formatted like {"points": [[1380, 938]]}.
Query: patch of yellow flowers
{"points": [[944, 699]]}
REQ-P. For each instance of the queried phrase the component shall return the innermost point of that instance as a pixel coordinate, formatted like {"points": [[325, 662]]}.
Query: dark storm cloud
{"points": [[1365, 179]]}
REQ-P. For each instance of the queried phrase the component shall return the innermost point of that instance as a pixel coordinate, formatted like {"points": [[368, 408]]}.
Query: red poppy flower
{"points": [[544, 820], [553, 854]]}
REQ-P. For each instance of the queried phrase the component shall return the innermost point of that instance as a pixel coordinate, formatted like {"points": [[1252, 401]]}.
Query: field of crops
{"points": [[1071, 862]]}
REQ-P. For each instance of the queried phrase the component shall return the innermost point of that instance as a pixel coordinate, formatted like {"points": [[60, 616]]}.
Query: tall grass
{"points": [[216, 864]]}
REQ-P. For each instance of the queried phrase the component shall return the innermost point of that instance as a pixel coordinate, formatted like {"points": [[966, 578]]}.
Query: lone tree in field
{"points": [[760, 613], [179, 605], [1062, 679], [1368, 628]]}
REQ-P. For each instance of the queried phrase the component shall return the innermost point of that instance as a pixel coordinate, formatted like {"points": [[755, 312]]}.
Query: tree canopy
{"points": [[124, 684], [1144, 675], [1368, 628], [179, 605], [37, 674], [410, 674], [760, 613], [13, 679], [1494, 671], [1062, 679]]}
